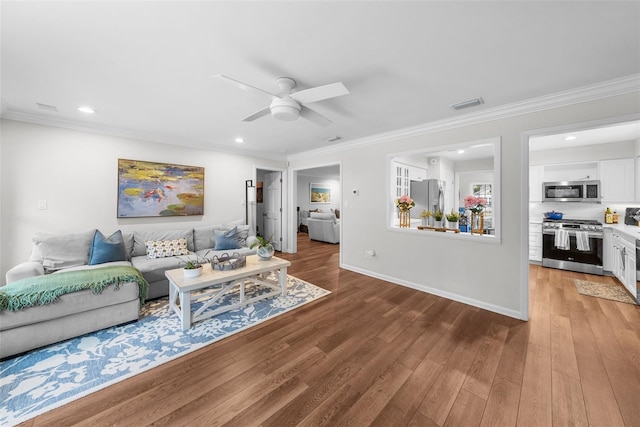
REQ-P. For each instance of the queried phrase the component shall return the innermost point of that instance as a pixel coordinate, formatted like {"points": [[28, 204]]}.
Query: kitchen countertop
{"points": [[631, 231]]}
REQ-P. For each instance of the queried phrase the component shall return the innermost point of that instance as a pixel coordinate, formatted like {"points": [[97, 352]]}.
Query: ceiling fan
{"points": [[289, 105]]}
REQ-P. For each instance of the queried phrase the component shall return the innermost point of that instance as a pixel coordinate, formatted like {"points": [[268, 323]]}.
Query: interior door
{"points": [[272, 191]]}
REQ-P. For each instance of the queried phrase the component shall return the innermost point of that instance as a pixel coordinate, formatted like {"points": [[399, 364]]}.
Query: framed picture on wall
{"points": [[319, 193], [147, 189]]}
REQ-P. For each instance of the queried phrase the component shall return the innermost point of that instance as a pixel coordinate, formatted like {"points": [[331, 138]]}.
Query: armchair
{"points": [[324, 229]]}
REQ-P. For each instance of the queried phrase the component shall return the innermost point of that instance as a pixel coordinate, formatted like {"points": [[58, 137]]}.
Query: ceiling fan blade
{"points": [[257, 115], [314, 116], [320, 93], [243, 86]]}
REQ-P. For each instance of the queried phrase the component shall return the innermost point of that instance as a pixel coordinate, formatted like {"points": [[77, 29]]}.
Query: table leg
{"points": [[185, 310], [283, 280], [172, 296]]}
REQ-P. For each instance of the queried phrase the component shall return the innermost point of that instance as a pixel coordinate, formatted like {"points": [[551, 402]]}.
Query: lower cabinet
{"points": [[535, 241], [624, 262]]}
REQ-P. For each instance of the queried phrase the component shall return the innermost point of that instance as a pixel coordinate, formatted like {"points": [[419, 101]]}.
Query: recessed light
{"points": [[569, 138], [239, 140], [460, 151], [87, 110], [334, 138]]}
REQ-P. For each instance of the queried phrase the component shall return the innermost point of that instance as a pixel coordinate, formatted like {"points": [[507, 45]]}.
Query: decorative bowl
{"points": [[226, 262]]}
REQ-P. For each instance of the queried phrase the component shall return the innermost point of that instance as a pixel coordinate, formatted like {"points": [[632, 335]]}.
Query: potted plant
{"points": [[265, 247], [193, 267], [438, 218], [452, 219], [426, 217]]}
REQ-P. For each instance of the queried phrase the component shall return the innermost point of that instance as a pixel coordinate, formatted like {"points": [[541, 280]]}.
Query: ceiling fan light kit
{"points": [[287, 105], [285, 109]]}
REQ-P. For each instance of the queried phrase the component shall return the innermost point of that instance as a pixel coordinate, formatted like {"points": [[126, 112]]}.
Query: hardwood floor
{"points": [[375, 353]]}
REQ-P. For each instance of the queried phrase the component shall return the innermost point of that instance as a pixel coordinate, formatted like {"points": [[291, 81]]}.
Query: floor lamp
{"points": [[249, 197]]}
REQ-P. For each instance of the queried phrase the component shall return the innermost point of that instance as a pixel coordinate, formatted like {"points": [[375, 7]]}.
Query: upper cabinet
{"points": [[536, 178], [637, 178], [416, 173], [618, 180]]}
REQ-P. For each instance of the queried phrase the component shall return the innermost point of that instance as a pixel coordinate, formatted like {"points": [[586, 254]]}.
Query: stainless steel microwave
{"points": [[571, 191]]}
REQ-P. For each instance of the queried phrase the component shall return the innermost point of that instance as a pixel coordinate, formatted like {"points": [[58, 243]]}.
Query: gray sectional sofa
{"points": [[81, 312]]}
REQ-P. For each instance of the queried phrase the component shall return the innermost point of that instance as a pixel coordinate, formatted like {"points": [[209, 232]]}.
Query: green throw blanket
{"points": [[46, 289]]}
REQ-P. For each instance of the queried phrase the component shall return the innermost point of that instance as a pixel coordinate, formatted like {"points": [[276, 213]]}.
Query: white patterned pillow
{"points": [[166, 248]]}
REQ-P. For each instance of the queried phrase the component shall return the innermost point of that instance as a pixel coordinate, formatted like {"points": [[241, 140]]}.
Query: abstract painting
{"points": [[320, 193], [148, 189]]}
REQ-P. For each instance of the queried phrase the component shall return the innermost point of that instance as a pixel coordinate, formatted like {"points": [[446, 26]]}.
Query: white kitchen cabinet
{"points": [[535, 241], [618, 180], [402, 177], [536, 178], [400, 185], [607, 250], [637, 178], [416, 173], [624, 262]]}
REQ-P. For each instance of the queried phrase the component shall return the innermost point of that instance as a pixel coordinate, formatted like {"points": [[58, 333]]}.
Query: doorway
{"points": [[328, 177], [578, 149], [269, 212]]}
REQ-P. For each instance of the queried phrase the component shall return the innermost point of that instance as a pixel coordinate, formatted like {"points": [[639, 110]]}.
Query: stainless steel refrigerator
{"points": [[428, 195]]}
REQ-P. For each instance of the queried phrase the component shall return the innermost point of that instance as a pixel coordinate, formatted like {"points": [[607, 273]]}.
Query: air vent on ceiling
{"points": [[46, 107], [467, 104]]}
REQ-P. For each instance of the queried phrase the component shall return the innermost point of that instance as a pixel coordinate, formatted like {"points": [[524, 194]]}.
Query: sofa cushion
{"points": [[66, 250], [203, 237], [128, 244], [140, 237], [153, 269], [327, 216], [107, 249], [68, 304], [166, 248], [227, 239]]}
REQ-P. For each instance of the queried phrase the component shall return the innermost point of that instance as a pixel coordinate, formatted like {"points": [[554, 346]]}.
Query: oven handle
{"points": [[572, 233]]}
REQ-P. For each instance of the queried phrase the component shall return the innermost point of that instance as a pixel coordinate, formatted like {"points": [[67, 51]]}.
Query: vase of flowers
{"points": [[404, 204], [476, 206]]}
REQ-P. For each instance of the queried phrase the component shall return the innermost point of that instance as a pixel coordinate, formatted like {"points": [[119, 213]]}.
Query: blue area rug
{"points": [[50, 377]]}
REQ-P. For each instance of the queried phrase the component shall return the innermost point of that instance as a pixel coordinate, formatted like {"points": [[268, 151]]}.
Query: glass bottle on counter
{"points": [[608, 216], [615, 217]]}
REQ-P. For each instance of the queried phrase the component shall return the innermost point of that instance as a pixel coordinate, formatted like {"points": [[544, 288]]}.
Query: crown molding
{"points": [[579, 95], [10, 113]]}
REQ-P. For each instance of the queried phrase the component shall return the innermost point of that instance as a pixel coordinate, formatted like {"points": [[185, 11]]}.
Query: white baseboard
{"points": [[438, 292]]}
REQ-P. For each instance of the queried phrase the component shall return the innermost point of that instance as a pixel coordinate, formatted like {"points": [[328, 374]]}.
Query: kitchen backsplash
{"points": [[577, 210]]}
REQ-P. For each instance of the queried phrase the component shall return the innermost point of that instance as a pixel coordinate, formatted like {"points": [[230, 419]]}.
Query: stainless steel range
{"points": [[573, 244]]}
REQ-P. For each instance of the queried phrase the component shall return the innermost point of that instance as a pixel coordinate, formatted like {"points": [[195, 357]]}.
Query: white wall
{"points": [[76, 173], [610, 151], [492, 276]]}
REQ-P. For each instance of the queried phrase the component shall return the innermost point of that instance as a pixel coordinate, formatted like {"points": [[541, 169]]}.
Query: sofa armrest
{"points": [[24, 270]]}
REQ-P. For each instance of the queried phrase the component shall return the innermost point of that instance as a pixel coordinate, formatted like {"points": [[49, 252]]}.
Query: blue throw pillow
{"points": [[107, 249], [227, 239]]}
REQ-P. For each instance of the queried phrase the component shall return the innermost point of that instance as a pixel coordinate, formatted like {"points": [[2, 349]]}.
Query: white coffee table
{"points": [[221, 282]]}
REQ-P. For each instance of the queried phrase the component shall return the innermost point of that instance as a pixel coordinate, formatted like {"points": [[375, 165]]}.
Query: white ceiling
{"points": [[146, 66], [629, 131]]}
